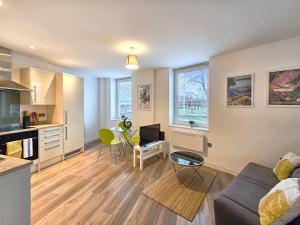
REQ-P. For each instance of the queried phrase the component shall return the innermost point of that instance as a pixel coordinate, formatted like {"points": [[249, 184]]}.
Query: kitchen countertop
{"points": [[11, 164], [17, 131], [31, 128], [41, 126]]}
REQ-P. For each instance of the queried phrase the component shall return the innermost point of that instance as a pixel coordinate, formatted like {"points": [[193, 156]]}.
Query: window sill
{"points": [[120, 119], [115, 119], [190, 128]]}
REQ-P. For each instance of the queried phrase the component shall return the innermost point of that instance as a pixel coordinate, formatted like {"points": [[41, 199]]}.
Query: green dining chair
{"points": [[106, 136], [135, 138]]}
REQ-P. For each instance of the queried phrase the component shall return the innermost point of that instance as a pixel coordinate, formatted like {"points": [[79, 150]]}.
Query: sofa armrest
{"points": [[296, 173]]}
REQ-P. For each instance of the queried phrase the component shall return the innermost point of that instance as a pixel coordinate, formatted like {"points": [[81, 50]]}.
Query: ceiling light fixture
{"points": [[132, 62], [31, 47], [1, 3]]}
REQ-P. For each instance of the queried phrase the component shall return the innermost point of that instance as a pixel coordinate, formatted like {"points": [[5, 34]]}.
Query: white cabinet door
{"points": [[43, 85], [74, 137], [73, 99]]}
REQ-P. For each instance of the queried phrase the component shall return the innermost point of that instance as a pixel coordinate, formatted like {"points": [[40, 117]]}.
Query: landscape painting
{"points": [[240, 91], [144, 97], [284, 88]]}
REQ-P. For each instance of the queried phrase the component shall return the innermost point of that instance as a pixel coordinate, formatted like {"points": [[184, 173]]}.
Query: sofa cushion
{"points": [[296, 173], [246, 192], [238, 203], [261, 174], [228, 212], [295, 221]]}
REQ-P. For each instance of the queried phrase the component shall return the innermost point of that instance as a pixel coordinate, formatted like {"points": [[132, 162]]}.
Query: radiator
{"points": [[187, 140]]}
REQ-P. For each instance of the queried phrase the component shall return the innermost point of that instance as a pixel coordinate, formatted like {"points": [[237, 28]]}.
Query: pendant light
{"points": [[132, 62]]}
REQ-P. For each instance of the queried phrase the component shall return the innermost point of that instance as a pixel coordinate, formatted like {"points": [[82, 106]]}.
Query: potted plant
{"points": [[192, 123]]}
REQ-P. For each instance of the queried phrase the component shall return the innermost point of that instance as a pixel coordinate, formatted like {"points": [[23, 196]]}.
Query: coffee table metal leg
{"points": [[197, 171], [174, 167], [193, 168]]}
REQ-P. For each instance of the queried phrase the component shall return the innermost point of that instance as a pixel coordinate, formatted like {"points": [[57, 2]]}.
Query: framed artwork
{"points": [[240, 91], [284, 88], [144, 97]]}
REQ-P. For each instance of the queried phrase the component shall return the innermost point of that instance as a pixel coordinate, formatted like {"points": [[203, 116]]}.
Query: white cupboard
{"points": [[70, 111], [50, 144], [43, 86]]}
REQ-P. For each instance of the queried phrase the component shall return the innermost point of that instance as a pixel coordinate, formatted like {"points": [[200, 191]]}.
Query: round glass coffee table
{"points": [[187, 159]]}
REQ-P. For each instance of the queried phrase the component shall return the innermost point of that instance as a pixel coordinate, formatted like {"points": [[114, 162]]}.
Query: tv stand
{"points": [[148, 151]]}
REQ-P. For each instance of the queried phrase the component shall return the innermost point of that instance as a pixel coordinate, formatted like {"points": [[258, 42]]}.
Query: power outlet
{"points": [[42, 117], [42, 114]]}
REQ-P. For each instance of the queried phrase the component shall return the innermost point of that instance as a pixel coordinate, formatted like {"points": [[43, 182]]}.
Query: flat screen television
{"points": [[9, 110], [149, 133]]}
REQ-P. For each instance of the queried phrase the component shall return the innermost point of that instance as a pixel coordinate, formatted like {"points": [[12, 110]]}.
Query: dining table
{"points": [[130, 133]]}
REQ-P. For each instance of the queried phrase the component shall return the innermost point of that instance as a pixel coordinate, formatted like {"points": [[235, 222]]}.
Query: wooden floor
{"points": [[81, 191]]}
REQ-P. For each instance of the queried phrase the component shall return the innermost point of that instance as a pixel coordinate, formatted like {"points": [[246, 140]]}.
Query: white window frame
{"points": [[175, 122], [118, 116]]}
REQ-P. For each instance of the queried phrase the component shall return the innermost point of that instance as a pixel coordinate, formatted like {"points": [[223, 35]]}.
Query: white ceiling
{"points": [[96, 34]]}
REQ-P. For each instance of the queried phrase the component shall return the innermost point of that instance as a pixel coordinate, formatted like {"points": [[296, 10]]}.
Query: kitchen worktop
{"points": [[11, 164], [41, 126], [31, 128], [17, 131]]}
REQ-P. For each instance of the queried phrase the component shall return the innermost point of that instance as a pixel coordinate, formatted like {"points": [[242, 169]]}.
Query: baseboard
{"points": [[89, 145], [220, 168], [86, 142], [73, 153]]}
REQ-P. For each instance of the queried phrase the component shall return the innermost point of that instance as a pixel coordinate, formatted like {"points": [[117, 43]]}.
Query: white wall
{"points": [[91, 115], [159, 79], [106, 104], [261, 134], [103, 102], [161, 99], [143, 77], [239, 135], [91, 109]]}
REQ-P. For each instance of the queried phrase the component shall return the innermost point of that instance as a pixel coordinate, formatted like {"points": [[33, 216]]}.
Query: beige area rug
{"points": [[184, 192]]}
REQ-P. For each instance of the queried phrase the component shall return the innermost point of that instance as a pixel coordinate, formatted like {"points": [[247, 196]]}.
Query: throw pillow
{"points": [[281, 205], [286, 165]]}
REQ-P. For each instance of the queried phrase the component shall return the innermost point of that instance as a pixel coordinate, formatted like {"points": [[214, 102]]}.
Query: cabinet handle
{"points": [[66, 117], [66, 133], [51, 147], [51, 136], [46, 131], [34, 92], [49, 142]]}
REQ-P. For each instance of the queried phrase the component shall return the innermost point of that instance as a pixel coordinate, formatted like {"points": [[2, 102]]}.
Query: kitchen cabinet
{"points": [[43, 86], [50, 143], [73, 99], [74, 137], [70, 111], [15, 192]]}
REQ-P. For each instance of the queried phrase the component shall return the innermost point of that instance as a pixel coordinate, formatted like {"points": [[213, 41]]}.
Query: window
{"points": [[123, 98], [191, 96]]}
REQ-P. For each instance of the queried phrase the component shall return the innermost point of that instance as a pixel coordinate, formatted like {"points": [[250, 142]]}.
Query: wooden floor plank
{"points": [[82, 191]]}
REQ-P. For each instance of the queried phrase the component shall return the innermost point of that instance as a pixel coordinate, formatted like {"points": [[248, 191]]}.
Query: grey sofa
{"points": [[238, 203]]}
